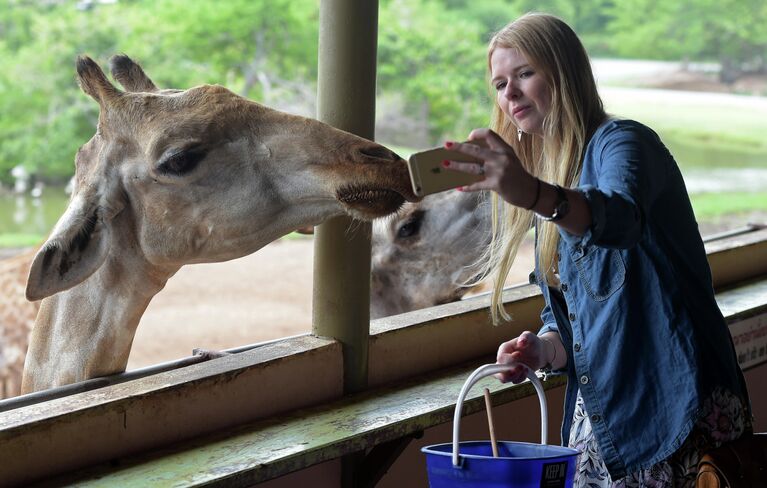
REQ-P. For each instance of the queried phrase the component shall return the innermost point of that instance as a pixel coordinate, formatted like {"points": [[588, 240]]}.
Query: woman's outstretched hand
{"points": [[501, 167], [527, 349]]}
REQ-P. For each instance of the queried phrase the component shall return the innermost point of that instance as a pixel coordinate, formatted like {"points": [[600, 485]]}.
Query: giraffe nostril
{"points": [[379, 152]]}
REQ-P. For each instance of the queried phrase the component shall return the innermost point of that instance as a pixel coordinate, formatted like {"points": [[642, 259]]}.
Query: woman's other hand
{"points": [[527, 349], [501, 168]]}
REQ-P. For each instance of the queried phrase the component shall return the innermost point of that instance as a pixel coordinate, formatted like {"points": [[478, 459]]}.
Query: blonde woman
{"points": [[630, 314]]}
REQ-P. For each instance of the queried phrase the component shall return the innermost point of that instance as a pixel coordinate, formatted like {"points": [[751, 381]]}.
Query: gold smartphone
{"points": [[427, 175]]}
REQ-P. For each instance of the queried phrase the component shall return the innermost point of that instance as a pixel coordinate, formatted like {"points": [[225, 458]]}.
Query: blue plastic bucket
{"points": [[518, 465]]}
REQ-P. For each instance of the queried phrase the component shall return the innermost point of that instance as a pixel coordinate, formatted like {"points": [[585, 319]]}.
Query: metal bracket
{"points": [[373, 466]]}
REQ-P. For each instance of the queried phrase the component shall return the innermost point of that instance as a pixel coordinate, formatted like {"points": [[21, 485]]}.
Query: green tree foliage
{"points": [[250, 46], [437, 61], [733, 32]]}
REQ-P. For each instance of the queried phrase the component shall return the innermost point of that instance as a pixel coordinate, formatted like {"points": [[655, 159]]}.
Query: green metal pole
{"points": [[346, 100]]}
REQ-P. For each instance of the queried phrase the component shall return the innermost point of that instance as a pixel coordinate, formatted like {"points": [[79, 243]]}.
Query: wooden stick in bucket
{"points": [[489, 408]]}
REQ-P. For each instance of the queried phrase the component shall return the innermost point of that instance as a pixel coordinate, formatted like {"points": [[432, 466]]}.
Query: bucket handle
{"points": [[487, 370]]}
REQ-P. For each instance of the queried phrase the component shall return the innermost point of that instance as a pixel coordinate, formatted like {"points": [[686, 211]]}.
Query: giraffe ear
{"points": [[76, 248]]}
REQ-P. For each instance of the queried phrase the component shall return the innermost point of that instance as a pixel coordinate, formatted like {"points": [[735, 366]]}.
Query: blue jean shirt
{"points": [[645, 339]]}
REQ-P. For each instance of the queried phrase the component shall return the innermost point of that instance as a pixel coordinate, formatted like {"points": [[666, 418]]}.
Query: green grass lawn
{"points": [[704, 131], [701, 129], [714, 205], [9, 240]]}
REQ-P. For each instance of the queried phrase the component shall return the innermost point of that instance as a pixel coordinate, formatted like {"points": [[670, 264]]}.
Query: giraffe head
{"points": [[201, 175], [425, 255]]}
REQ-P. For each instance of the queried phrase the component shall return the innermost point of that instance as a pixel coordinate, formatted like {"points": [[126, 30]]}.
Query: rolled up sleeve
{"points": [[622, 176], [549, 323]]}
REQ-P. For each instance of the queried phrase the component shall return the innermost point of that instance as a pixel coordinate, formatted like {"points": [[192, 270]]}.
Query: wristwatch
{"points": [[561, 206]]}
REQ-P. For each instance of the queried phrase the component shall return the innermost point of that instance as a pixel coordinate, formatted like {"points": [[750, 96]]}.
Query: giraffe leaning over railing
{"points": [[17, 316], [422, 257], [175, 177]]}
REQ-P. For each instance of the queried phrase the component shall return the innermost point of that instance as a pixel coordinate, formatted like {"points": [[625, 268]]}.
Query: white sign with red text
{"points": [[750, 339]]}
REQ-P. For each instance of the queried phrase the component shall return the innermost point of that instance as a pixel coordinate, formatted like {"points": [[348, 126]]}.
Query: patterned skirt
{"points": [[724, 419]]}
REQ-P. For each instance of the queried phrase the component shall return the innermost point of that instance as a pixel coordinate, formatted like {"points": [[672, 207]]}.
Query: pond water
{"points": [[23, 214]]}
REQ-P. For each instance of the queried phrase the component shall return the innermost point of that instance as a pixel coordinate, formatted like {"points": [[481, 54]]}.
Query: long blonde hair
{"points": [[553, 50]]}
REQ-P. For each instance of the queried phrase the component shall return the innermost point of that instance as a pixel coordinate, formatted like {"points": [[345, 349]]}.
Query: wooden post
{"points": [[346, 100]]}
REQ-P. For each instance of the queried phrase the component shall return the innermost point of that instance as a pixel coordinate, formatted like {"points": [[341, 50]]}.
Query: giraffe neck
{"points": [[17, 316], [87, 331]]}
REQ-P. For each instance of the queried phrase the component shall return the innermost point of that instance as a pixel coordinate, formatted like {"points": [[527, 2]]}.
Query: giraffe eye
{"points": [[182, 162], [411, 226]]}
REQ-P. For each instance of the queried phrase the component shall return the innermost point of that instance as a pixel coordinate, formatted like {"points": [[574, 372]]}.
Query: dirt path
{"points": [[216, 306], [263, 296]]}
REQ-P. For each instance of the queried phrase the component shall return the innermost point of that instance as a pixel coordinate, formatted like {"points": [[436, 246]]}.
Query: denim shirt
{"points": [[645, 339]]}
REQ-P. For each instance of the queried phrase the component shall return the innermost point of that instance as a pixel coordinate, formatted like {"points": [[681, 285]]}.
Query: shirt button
{"points": [[577, 346], [595, 418], [584, 379], [572, 317], [564, 287]]}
